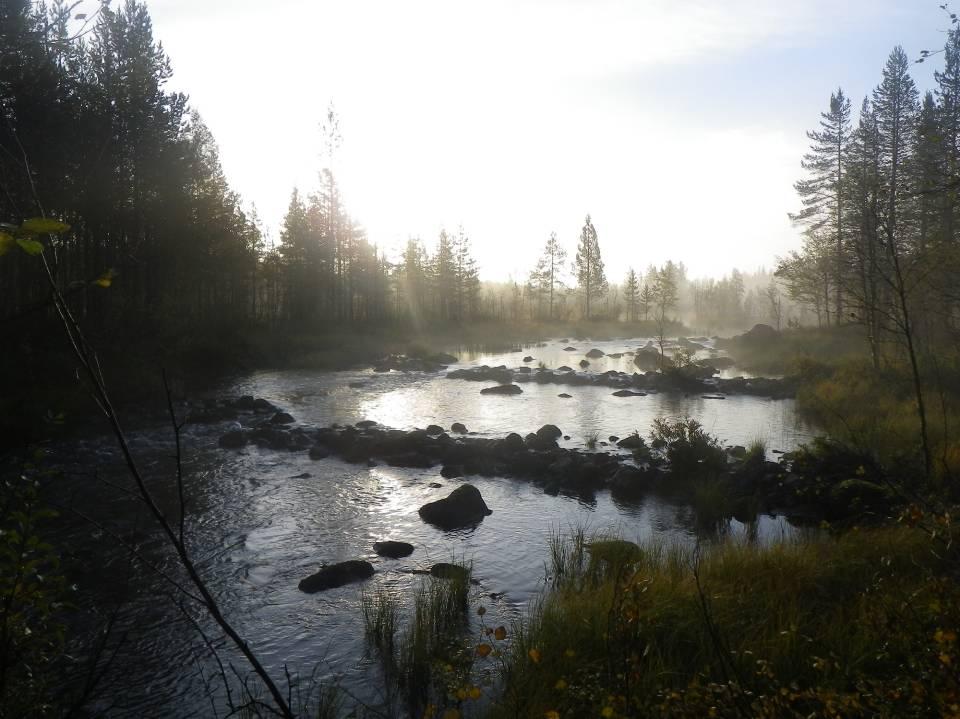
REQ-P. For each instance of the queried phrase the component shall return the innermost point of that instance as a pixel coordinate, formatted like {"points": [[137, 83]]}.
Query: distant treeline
{"points": [[881, 209], [90, 135]]}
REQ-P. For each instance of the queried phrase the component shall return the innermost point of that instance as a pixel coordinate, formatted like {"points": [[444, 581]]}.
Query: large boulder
{"points": [[632, 441], [392, 549], [443, 358], [458, 428], [759, 334], [504, 389], [462, 508], [647, 359], [549, 431], [336, 575]]}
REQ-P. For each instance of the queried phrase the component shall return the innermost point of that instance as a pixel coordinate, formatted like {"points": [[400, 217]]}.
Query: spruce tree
{"points": [[631, 295], [588, 266], [822, 193]]}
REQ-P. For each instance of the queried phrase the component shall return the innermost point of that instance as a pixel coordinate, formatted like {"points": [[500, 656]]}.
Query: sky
{"points": [[678, 126]]}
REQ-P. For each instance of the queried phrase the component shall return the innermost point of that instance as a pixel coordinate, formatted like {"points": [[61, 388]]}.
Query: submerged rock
{"points": [[584, 364], [233, 440], [336, 575], [463, 507], [628, 393], [393, 549], [564, 395], [504, 389], [595, 353], [528, 358]]}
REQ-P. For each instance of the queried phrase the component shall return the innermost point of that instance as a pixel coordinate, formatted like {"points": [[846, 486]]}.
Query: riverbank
{"points": [[864, 624], [40, 397]]}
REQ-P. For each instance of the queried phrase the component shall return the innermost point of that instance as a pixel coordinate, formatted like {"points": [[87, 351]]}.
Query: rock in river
{"points": [[549, 431], [595, 353], [503, 389], [336, 575], [463, 507], [392, 549], [458, 428]]}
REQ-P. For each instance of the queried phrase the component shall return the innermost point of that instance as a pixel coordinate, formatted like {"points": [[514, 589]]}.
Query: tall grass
{"points": [[796, 627], [410, 653]]}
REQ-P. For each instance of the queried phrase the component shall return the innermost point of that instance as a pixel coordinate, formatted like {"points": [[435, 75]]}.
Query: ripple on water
{"points": [[266, 519]]}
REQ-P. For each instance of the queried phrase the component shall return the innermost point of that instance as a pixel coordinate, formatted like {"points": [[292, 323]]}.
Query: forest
{"points": [[304, 473]]}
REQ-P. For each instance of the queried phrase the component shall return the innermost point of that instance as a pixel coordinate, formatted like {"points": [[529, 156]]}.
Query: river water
{"points": [[261, 520]]}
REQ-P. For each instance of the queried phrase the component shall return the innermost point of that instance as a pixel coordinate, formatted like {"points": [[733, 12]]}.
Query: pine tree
{"points": [[547, 273], [822, 194], [631, 295], [948, 95], [588, 266], [467, 277]]}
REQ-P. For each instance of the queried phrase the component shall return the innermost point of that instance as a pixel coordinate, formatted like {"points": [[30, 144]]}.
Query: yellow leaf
{"points": [[500, 633], [31, 247], [451, 714], [534, 655], [461, 693], [561, 684], [481, 611], [570, 653], [483, 650], [607, 712], [105, 280], [41, 225], [6, 242], [552, 714], [475, 692]]}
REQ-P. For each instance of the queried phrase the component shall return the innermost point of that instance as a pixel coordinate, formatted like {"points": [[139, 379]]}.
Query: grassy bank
{"points": [[860, 625]]}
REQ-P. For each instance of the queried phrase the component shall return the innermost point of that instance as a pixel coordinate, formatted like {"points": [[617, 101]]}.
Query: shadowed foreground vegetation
{"points": [[862, 624]]}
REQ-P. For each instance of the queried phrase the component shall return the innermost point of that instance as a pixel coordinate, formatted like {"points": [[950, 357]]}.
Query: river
{"points": [[262, 520]]}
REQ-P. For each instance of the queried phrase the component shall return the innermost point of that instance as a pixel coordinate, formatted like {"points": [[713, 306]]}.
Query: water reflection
{"points": [[269, 518]]}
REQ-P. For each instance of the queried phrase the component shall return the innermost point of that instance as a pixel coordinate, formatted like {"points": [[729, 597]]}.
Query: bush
{"points": [[692, 452]]}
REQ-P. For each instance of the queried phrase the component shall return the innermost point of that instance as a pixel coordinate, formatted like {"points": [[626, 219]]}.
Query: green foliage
{"points": [[424, 657], [692, 452], [860, 625], [32, 592]]}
